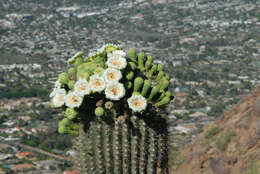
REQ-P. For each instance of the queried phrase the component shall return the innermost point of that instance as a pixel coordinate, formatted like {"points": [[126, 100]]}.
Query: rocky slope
{"points": [[231, 145]]}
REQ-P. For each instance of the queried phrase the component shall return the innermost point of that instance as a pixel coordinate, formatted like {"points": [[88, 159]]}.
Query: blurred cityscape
{"points": [[211, 48]]}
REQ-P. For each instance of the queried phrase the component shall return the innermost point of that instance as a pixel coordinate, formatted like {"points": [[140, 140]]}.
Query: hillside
{"points": [[231, 145]]}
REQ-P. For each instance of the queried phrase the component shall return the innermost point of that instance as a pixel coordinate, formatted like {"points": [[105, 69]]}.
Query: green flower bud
{"points": [[110, 48], [161, 96], [132, 54], [65, 122], [82, 75], [99, 111], [78, 61], [64, 78], [72, 71], [146, 87], [138, 82], [71, 113], [148, 62], [152, 70], [129, 85], [159, 76], [164, 101], [130, 75], [132, 65], [109, 105], [71, 84], [99, 71], [168, 93], [164, 84], [167, 76], [160, 67], [154, 91], [62, 129], [141, 60]]}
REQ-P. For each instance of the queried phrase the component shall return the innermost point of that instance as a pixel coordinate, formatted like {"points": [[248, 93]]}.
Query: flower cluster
{"points": [[104, 80]]}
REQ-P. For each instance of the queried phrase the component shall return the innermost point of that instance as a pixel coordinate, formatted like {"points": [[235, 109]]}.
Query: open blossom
{"points": [[112, 75], [78, 54], [58, 99], [117, 54], [137, 103], [116, 62], [115, 91], [82, 88], [97, 83], [73, 100]]}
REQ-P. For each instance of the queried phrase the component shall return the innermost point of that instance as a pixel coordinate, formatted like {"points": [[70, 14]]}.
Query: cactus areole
{"points": [[114, 102]]}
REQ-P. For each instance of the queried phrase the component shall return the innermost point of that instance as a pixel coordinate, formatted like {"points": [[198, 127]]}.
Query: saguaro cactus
{"points": [[115, 104]]}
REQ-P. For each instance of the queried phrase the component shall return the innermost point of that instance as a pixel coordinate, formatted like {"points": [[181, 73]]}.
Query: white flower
{"points": [[117, 54], [73, 100], [82, 88], [94, 54], [78, 54], [115, 91], [112, 75], [97, 83], [58, 97], [57, 84], [137, 103], [117, 63]]}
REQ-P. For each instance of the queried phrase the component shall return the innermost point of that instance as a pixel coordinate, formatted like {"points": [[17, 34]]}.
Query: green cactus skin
{"points": [[152, 70], [141, 61], [138, 82], [132, 54], [159, 76], [154, 91], [64, 78], [134, 145], [146, 87], [148, 62]]}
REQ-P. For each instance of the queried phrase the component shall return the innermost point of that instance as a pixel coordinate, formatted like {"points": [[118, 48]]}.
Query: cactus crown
{"points": [[109, 83]]}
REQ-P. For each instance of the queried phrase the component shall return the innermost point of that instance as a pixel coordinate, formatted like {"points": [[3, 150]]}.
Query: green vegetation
{"points": [[211, 132], [223, 141], [19, 92], [253, 168]]}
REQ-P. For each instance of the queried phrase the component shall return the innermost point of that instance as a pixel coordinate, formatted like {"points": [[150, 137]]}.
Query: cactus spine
{"points": [[117, 118]]}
